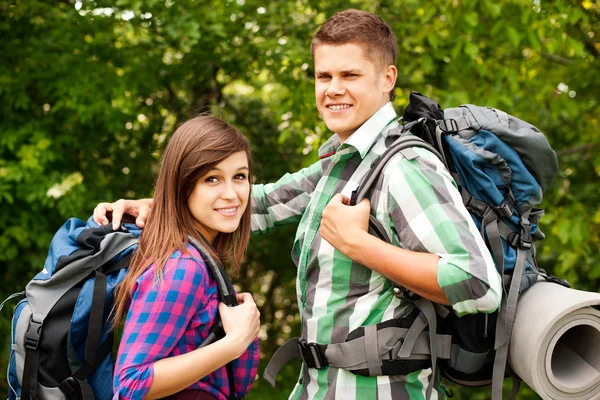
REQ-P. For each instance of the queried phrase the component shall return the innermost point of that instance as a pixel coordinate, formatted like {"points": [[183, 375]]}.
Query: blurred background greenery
{"points": [[91, 90]]}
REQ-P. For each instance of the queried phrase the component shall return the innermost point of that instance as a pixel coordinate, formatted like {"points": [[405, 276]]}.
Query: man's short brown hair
{"points": [[363, 28], [360, 27]]}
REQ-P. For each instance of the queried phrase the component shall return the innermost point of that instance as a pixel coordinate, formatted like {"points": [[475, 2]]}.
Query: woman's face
{"points": [[220, 197]]}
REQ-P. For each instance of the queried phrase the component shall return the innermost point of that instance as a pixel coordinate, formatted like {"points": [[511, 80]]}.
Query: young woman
{"points": [[168, 299]]}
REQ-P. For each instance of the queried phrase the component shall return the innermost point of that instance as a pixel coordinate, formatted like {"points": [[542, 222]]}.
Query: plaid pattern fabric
{"points": [[173, 318], [418, 204]]}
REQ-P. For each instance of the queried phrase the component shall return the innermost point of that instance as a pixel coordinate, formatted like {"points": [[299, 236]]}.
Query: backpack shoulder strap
{"points": [[227, 296], [226, 291], [404, 145]]}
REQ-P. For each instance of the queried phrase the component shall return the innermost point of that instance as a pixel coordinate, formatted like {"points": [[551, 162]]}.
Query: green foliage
{"points": [[91, 89]]}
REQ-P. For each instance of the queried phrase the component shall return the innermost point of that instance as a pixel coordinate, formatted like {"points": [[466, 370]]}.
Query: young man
{"points": [[343, 272]]}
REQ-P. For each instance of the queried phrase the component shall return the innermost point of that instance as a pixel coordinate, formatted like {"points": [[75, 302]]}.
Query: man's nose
{"points": [[335, 88]]}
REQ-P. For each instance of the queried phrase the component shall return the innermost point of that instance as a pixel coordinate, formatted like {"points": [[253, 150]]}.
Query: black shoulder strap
{"points": [[226, 291], [404, 142], [227, 295]]}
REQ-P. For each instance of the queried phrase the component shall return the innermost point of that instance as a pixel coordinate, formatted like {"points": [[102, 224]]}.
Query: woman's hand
{"points": [[136, 208], [241, 323]]}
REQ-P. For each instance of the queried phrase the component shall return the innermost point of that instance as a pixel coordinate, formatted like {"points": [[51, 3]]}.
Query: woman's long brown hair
{"points": [[194, 149]]}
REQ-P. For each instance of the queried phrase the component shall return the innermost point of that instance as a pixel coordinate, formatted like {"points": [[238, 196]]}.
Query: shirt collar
{"points": [[365, 136]]}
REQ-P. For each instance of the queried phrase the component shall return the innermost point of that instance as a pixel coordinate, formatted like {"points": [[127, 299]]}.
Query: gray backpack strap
{"points": [[427, 309], [284, 354], [506, 314], [402, 143]]}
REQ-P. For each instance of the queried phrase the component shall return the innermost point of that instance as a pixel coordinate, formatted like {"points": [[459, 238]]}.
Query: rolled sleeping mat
{"points": [[555, 342]]}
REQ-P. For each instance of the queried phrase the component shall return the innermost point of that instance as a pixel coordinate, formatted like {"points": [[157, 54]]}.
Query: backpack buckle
{"points": [[525, 240], [448, 125], [505, 208], [311, 354], [69, 386], [33, 333]]}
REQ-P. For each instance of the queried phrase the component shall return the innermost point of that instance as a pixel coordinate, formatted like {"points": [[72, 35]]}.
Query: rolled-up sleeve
{"points": [[428, 215]]}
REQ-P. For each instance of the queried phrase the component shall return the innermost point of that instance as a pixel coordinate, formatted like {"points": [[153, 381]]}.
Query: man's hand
{"points": [[136, 208], [343, 224]]}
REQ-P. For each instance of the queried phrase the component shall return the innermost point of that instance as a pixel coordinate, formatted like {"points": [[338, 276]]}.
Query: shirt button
{"points": [[303, 299], [300, 381]]}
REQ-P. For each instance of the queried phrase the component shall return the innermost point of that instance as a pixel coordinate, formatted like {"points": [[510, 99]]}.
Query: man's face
{"points": [[349, 88]]}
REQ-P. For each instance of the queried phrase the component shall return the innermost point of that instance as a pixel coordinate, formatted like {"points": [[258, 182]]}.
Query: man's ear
{"points": [[391, 74]]}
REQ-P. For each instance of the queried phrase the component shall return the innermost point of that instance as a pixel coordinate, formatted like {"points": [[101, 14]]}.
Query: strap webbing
{"points": [[426, 308], [231, 378], [30, 374], [372, 350], [284, 354], [96, 318], [490, 226], [417, 327], [506, 317], [404, 142]]}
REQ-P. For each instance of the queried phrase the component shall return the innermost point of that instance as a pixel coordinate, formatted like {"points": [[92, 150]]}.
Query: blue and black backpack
{"points": [[61, 341], [502, 166]]}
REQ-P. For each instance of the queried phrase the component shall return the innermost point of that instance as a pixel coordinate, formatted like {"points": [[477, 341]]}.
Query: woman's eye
{"points": [[241, 176], [211, 179]]}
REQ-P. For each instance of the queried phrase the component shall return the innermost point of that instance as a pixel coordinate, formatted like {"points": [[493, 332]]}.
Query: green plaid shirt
{"points": [[418, 204]]}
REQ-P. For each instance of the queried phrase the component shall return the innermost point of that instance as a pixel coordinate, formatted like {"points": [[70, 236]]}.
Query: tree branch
{"points": [[578, 149], [555, 58]]}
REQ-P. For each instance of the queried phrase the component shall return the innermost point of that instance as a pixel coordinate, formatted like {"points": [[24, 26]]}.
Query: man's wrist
{"points": [[354, 247]]}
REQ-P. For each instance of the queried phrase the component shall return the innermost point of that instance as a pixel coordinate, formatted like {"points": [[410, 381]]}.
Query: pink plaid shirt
{"points": [[173, 318]]}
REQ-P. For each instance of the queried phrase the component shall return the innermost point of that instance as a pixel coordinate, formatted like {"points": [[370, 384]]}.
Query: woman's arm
{"points": [[174, 374], [157, 319]]}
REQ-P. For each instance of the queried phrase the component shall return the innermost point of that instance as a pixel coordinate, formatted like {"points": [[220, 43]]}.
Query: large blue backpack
{"points": [[502, 166], [61, 341]]}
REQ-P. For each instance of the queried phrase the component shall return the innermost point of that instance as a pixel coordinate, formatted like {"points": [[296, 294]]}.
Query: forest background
{"points": [[91, 90]]}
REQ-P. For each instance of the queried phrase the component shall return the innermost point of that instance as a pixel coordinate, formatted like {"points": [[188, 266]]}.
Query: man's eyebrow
{"points": [[346, 71]]}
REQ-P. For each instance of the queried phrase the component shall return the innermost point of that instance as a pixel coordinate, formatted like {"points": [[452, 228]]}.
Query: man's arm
{"points": [[273, 204], [284, 201], [346, 229], [431, 224]]}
